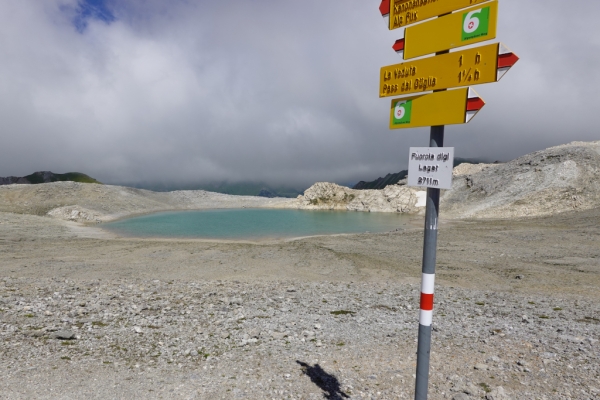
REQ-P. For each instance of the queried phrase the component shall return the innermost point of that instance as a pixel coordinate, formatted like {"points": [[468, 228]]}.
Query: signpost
{"points": [[440, 108], [400, 13], [431, 167], [471, 25], [458, 23], [485, 64]]}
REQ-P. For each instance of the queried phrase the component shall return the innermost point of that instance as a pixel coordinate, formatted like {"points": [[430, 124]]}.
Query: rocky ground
{"points": [[85, 314], [227, 339]]}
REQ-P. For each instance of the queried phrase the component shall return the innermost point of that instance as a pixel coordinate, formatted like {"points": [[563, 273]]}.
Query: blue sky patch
{"points": [[91, 9]]}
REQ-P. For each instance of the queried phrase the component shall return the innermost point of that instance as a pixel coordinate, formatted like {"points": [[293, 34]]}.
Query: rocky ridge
{"points": [[393, 198], [10, 180], [92, 203], [554, 180], [380, 183]]}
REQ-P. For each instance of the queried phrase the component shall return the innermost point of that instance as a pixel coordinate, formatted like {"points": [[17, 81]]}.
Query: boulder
{"points": [[393, 198], [498, 394]]}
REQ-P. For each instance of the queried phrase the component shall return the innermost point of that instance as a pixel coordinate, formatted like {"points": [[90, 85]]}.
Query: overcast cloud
{"points": [[266, 90]]}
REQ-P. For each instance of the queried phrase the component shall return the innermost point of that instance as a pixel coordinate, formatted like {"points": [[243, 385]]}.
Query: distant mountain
{"points": [[46, 177], [392, 179], [239, 188], [380, 183], [458, 161], [252, 189]]}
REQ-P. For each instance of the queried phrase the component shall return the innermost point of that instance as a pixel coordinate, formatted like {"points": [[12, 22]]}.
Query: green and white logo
{"points": [[476, 23], [402, 112]]}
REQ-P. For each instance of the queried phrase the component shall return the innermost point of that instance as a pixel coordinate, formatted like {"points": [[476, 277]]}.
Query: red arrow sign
{"points": [[384, 7], [474, 104], [506, 59], [398, 46]]}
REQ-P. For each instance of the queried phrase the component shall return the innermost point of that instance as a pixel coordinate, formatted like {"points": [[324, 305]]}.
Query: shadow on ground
{"points": [[326, 382]]}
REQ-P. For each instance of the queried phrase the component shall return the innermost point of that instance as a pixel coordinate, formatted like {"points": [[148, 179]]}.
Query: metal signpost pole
{"points": [[459, 24], [432, 213], [436, 139]]}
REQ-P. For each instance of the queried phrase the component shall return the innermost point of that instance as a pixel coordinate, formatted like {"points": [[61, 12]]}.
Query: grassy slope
{"points": [[37, 178]]}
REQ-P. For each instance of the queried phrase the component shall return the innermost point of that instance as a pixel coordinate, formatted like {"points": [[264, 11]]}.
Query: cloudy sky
{"points": [[265, 90]]}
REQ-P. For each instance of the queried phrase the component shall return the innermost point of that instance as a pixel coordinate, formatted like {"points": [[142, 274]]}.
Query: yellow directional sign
{"points": [[461, 68], [471, 25], [407, 12], [439, 108]]}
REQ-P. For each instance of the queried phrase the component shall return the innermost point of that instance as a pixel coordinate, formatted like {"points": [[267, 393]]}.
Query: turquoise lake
{"points": [[253, 224]]}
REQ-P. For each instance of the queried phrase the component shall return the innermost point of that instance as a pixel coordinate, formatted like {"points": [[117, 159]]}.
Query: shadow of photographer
{"points": [[326, 382]]}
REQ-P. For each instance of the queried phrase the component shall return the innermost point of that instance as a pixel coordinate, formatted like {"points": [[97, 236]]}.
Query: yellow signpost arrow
{"points": [[468, 26], [474, 66], [402, 13], [440, 108]]}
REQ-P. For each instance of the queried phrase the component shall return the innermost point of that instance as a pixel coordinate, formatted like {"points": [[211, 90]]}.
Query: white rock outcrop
{"points": [[554, 180], [394, 198], [74, 213]]}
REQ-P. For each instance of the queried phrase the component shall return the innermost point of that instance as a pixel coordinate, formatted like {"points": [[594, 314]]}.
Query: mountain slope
{"points": [[557, 179], [47, 177], [392, 179], [381, 183], [238, 189]]}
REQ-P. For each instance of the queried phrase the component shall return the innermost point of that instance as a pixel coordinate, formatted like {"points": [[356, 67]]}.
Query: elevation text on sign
{"points": [[431, 167]]}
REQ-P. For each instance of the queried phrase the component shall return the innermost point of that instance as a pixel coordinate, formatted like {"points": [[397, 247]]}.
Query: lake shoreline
{"points": [[256, 224]]}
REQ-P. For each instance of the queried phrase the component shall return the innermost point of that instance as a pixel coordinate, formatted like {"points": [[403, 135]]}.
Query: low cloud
{"points": [[266, 91]]}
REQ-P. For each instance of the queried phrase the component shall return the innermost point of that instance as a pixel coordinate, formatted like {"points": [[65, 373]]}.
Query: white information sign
{"points": [[431, 167]]}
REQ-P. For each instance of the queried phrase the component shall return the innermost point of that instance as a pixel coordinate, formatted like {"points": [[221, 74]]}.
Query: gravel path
{"points": [[132, 338]]}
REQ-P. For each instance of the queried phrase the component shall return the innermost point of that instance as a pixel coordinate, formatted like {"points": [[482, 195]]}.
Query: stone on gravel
{"points": [[64, 335], [254, 333], [498, 394], [461, 396]]}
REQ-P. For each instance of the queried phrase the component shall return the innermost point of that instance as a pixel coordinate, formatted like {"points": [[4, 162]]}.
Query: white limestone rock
{"points": [[329, 196]]}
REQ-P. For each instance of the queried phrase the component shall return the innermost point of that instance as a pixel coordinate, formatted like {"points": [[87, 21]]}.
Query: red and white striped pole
{"points": [[427, 286]]}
